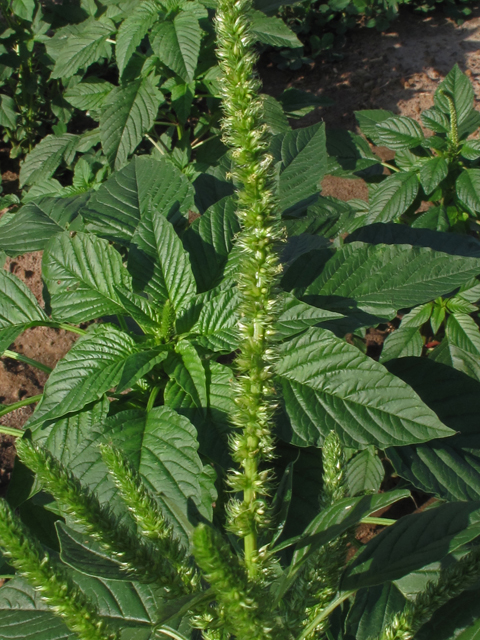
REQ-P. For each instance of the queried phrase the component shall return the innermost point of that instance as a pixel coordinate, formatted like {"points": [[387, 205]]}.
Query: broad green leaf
{"points": [[393, 197], [177, 43], [19, 309], [216, 326], [138, 365], [468, 188], [413, 542], [407, 340], [328, 218], [459, 88], [459, 619], [365, 473], [24, 9], [85, 44], [213, 426], [159, 264], [352, 153], [377, 279], [81, 273], [273, 31], [399, 132], [8, 113], [302, 159], [182, 98], [435, 219], [92, 366], [432, 173], [36, 222], [162, 445], [328, 384], [114, 211], [140, 309], [130, 112], [373, 610], [274, 116], [435, 120], [23, 614], [471, 149], [297, 103], [294, 316], [209, 240], [368, 120], [133, 30], [461, 347], [42, 162], [89, 94], [186, 368]]}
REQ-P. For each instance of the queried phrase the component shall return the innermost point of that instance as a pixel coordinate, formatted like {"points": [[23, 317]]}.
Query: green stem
{"points": [[8, 431], [152, 398], [324, 614], [198, 143], [383, 522], [67, 327], [13, 355], [389, 166], [122, 323], [171, 633], [18, 405]]}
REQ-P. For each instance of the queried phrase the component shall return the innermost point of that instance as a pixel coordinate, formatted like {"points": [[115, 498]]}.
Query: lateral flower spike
{"points": [[246, 135], [334, 465], [137, 558], [50, 579], [148, 516], [229, 581]]}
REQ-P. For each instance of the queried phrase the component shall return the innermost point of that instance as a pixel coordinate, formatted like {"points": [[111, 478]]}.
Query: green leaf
{"points": [[449, 469], [182, 98], [407, 339], [468, 188], [24, 9], [177, 43], [461, 347], [274, 116], [273, 31], [19, 309], [365, 473], [399, 132], [458, 87], [471, 149], [36, 222], [373, 610], [133, 30], [81, 273], [215, 316], [85, 44], [130, 112], [302, 159], [140, 309], [209, 240], [138, 365], [329, 384], [294, 316], [377, 279], [435, 219], [411, 543], [8, 113], [432, 173], [42, 162], [393, 197], [297, 103], [159, 264], [162, 445], [351, 152], [368, 120], [23, 614], [186, 368], [213, 425], [114, 211], [89, 94], [92, 366], [435, 120]]}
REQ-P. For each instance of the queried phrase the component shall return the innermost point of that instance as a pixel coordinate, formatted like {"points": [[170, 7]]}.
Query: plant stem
{"points": [[171, 633], [21, 358], [324, 614], [17, 405], [384, 522], [389, 166], [67, 327], [122, 323], [8, 431], [152, 398]]}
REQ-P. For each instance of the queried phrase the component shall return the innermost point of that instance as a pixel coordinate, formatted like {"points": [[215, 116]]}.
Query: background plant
{"points": [[129, 442]]}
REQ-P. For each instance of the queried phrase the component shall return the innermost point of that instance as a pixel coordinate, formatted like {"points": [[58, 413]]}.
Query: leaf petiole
{"points": [[13, 355], [17, 405]]}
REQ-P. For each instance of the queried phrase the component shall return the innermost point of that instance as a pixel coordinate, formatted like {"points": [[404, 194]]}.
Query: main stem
{"points": [[247, 137]]}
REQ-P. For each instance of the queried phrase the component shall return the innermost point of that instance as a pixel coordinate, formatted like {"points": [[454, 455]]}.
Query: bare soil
{"points": [[398, 70]]}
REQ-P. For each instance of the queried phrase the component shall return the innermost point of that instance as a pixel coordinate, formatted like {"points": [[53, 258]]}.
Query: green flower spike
{"points": [[50, 579], [244, 616], [147, 515], [258, 272], [139, 559], [453, 581]]}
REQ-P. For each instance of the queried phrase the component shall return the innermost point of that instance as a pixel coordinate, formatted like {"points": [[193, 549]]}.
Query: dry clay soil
{"points": [[398, 70]]}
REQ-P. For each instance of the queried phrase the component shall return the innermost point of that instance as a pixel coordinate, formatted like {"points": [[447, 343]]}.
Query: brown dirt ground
{"points": [[398, 70]]}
